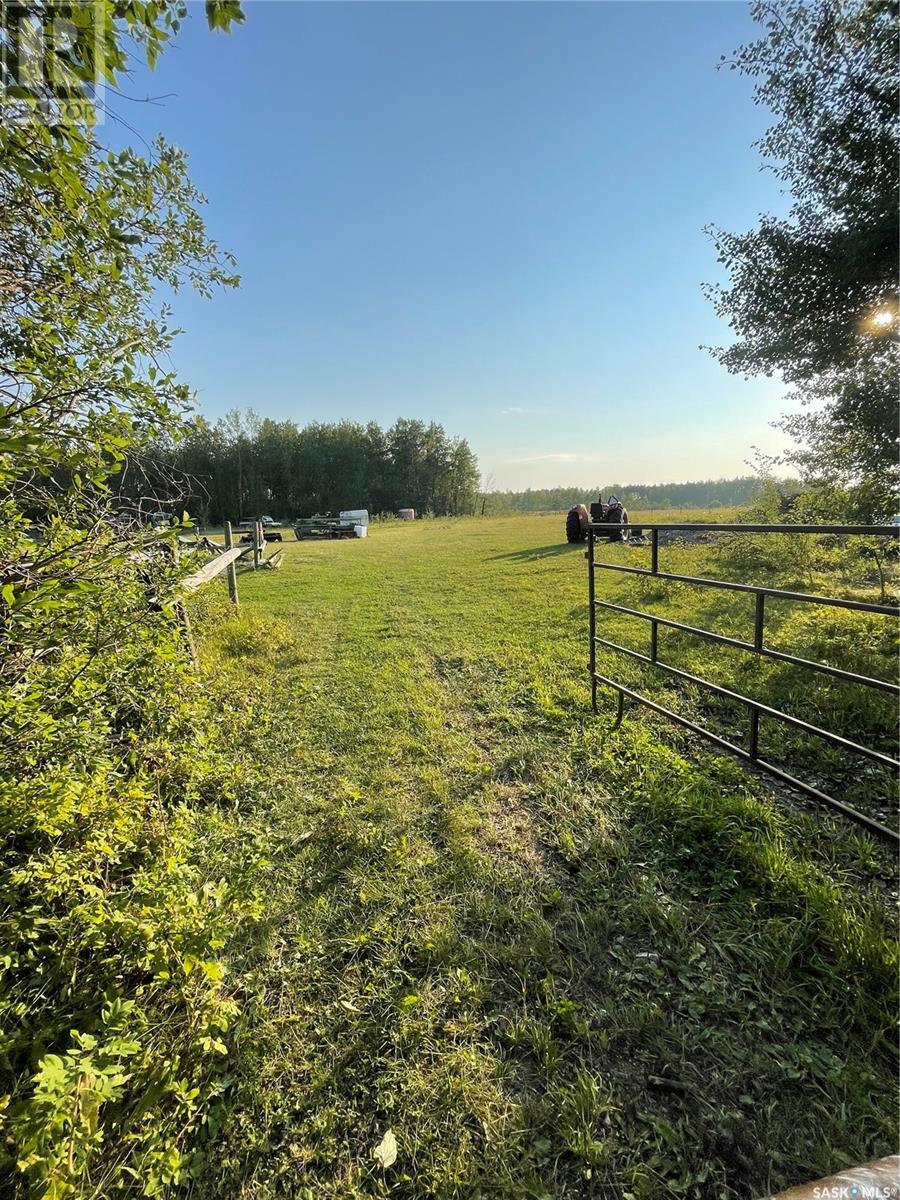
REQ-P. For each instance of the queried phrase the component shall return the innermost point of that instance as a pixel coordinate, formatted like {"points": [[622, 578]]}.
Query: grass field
{"points": [[551, 960]]}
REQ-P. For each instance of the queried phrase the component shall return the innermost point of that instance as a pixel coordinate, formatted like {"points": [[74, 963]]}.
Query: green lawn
{"points": [[554, 961]]}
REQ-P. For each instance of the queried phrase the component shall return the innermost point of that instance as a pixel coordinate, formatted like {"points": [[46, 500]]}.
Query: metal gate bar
{"points": [[756, 708], [776, 593], [882, 684]]}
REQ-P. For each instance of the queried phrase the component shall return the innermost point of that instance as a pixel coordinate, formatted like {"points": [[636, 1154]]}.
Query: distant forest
{"points": [[708, 493], [245, 466]]}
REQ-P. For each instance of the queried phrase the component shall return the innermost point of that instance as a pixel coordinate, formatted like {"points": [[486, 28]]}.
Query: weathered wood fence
{"points": [[227, 560]]}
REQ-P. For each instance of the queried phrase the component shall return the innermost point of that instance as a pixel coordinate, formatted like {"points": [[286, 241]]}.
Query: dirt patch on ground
{"points": [[508, 833]]}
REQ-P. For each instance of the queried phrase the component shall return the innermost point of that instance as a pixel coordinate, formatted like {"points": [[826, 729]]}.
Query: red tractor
{"points": [[612, 513]]}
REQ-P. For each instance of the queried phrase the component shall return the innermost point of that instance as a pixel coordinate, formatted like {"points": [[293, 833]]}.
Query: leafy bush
{"points": [[113, 914], [116, 910]]}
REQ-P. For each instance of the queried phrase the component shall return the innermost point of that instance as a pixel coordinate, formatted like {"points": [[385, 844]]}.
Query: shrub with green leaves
{"points": [[114, 1002], [114, 995]]}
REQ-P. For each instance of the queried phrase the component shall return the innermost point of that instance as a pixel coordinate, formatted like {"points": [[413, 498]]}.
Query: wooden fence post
{"points": [[181, 613], [230, 572], [257, 547]]}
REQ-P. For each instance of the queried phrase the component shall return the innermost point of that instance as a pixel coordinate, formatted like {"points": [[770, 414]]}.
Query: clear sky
{"points": [[489, 215]]}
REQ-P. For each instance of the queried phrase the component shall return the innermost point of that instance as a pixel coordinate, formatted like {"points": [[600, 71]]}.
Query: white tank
{"points": [[356, 516]]}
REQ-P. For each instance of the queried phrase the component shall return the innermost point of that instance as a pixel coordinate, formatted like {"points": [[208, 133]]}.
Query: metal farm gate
{"points": [[751, 751]]}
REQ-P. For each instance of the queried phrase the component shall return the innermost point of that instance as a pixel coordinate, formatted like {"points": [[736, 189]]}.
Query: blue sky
{"points": [[489, 215]]}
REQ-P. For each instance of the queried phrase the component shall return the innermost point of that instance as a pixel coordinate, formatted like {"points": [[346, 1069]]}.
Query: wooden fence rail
{"points": [[214, 567], [226, 560]]}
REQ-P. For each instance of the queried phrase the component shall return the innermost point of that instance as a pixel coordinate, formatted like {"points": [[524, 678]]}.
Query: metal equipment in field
{"points": [[351, 523], [612, 513]]}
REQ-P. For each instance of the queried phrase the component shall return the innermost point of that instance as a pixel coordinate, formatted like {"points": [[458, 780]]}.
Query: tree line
{"points": [[243, 466], [707, 493]]}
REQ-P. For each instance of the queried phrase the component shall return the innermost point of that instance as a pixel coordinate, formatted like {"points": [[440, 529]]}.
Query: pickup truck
{"points": [[272, 531]]}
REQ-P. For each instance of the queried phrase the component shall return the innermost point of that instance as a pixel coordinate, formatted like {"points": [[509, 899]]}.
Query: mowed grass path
{"points": [[553, 961]]}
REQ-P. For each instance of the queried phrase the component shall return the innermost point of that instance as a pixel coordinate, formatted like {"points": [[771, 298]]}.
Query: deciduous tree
{"points": [[813, 296]]}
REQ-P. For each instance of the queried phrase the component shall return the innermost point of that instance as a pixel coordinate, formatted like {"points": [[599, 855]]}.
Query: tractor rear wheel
{"points": [[620, 530], [574, 532]]}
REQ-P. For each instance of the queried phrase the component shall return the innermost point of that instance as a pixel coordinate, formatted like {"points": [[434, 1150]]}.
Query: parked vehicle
{"points": [[185, 526], [612, 513], [162, 520], [272, 531]]}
